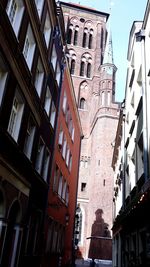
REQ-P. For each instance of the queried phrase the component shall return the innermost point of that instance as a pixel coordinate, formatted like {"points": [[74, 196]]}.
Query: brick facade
{"points": [[99, 118]]}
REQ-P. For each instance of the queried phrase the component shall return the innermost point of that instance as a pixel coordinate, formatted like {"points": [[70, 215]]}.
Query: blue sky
{"points": [[123, 13]]}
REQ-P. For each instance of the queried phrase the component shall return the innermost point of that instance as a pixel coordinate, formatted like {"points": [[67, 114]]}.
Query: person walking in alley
{"points": [[92, 263]]}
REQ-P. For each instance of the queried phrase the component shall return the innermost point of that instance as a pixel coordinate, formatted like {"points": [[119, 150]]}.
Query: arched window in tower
{"points": [[103, 98], [82, 103], [82, 68], [72, 67], [108, 98], [90, 40], [75, 41], [88, 70], [103, 85], [69, 36], [109, 84], [84, 42]]}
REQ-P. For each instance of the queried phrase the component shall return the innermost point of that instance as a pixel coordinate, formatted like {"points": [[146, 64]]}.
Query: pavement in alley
{"points": [[98, 263]]}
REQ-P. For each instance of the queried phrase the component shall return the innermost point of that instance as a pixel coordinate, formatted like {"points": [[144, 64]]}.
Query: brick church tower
{"points": [[90, 55]]}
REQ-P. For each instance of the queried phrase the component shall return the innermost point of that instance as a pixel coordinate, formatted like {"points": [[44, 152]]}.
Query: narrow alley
{"points": [[74, 161]]}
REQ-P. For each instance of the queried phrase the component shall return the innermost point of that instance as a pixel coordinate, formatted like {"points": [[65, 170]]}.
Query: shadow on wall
{"points": [[101, 242]]}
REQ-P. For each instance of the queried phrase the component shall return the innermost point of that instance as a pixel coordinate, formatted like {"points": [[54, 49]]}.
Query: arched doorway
{"points": [[12, 240]]}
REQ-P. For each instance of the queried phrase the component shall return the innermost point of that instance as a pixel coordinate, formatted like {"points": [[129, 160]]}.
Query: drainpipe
{"points": [[124, 156], [140, 37]]}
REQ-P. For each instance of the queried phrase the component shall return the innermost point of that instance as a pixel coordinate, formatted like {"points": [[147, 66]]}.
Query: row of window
{"points": [[15, 10], [14, 126], [85, 161], [105, 100], [73, 37], [60, 186], [85, 68], [85, 64], [55, 237], [28, 52], [64, 149], [68, 118], [19, 103]]}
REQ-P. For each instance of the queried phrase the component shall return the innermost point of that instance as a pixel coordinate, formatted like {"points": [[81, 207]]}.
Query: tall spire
{"points": [[108, 54]]}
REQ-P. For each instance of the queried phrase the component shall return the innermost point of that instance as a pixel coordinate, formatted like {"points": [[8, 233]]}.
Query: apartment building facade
{"points": [[63, 185], [92, 68], [31, 53], [131, 156]]}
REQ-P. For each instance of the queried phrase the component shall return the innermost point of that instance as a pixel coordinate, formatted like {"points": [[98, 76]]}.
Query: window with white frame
{"points": [[39, 6], [3, 77], [64, 105], [29, 47], [46, 164], [26, 47], [54, 57], [39, 77], [70, 163], [67, 156], [47, 29], [40, 155], [53, 114], [29, 138], [48, 100], [60, 139], [60, 185], [64, 148], [72, 134], [15, 9], [16, 116], [58, 74], [11, 10], [64, 190]]}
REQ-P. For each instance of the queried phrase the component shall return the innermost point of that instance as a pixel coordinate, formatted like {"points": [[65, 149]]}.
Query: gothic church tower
{"points": [[90, 55]]}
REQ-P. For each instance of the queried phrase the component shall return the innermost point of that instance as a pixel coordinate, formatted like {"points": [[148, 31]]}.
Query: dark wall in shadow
{"points": [[100, 240]]}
